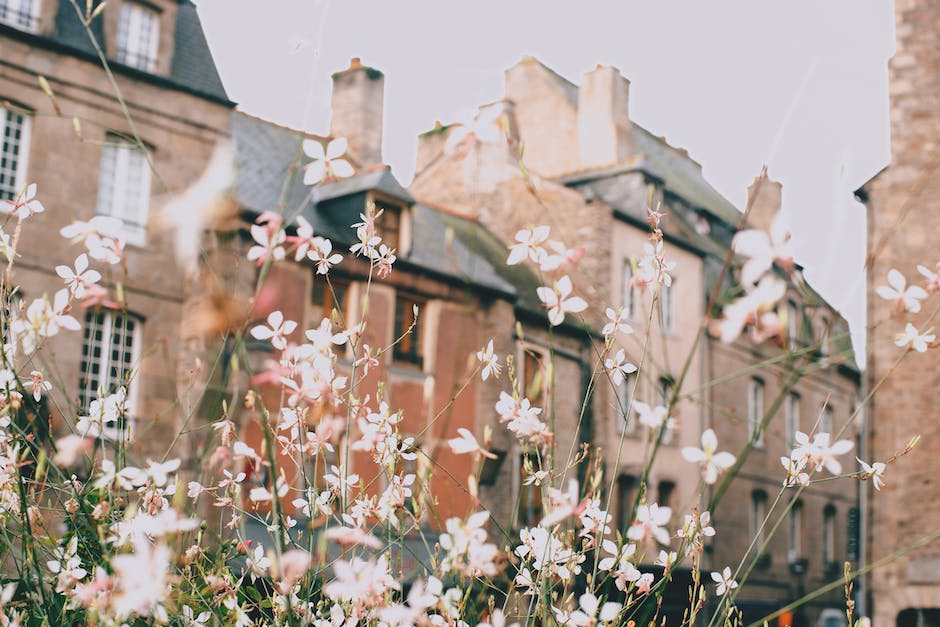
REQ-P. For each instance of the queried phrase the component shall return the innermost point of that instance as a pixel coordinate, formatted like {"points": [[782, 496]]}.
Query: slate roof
{"points": [[192, 68], [443, 244]]}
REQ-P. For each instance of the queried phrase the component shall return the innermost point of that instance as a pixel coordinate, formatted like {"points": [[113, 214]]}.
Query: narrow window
{"points": [[826, 424], [626, 495], [628, 291], [793, 325], [138, 34], [755, 411], [666, 308], [534, 377], [626, 422], [758, 512], [829, 535], [664, 390], [409, 348], [664, 493], [530, 495], [124, 187], [110, 348], [14, 146], [329, 299], [795, 548], [792, 417]]}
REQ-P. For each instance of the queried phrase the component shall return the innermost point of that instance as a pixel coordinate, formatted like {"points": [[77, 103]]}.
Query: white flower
{"points": [[258, 563], [529, 244], [79, 279], [818, 453], [618, 367], [556, 299], [653, 417], [725, 581], [326, 164], [616, 322], [24, 205], [712, 462], [322, 254], [490, 362], [276, 331], [908, 298], [875, 472], [649, 523], [467, 443], [917, 341], [763, 249]]}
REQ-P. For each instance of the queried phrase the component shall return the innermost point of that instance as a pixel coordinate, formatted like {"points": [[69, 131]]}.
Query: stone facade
{"points": [[591, 174], [179, 120], [903, 213]]}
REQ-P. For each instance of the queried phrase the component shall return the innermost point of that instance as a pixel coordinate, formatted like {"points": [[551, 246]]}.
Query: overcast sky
{"points": [[798, 85]]}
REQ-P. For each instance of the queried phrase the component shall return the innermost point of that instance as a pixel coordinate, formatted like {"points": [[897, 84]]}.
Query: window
{"points": [[795, 547], [664, 390], [530, 496], [329, 299], [626, 495], [124, 187], [824, 337], [110, 347], [666, 308], [628, 291], [388, 225], [793, 325], [20, 13], [825, 424], [409, 347], [138, 33], [14, 143], [623, 410], [664, 492], [792, 415], [829, 535], [755, 411], [758, 513], [534, 378]]}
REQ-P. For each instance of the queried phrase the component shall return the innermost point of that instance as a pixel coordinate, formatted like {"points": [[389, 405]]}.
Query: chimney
{"points": [[358, 92], [603, 121], [764, 197]]}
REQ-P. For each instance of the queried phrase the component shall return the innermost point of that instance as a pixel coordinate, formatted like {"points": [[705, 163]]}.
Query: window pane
{"points": [[137, 37], [124, 186], [12, 130]]}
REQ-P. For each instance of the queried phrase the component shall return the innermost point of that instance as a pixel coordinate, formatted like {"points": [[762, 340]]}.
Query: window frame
{"points": [[115, 204], [827, 419], [86, 392], [21, 146], [130, 23], [30, 15], [755, 411]]}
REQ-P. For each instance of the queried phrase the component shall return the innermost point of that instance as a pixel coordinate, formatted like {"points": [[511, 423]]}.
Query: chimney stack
{"points": [[764, 197], [603, 120], [358, 93]]}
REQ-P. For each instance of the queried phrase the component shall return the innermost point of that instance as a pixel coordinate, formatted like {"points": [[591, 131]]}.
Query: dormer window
{"points": [[22, 14], [392, 221], [138, 33]]}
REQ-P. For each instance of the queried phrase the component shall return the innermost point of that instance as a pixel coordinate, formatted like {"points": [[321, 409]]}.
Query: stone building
{"points": [[90, 152], [596, 172], [903, 209]]}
